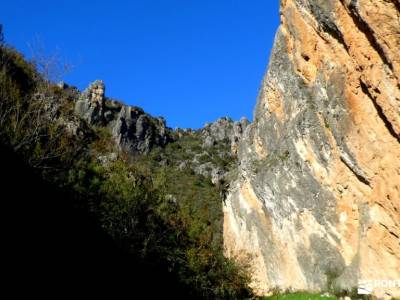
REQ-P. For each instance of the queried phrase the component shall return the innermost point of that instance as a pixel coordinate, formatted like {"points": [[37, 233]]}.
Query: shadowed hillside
{"points": [[105, 193], [53, 246]]}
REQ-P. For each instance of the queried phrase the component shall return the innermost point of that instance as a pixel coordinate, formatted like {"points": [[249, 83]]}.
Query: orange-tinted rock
{"points": [[317, 202]]}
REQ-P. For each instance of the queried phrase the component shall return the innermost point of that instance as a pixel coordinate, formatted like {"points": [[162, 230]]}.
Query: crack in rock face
{"points": [[316, 205]]}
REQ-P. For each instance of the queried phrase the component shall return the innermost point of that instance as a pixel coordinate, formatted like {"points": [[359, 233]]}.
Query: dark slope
{"points": [[52, 247]]}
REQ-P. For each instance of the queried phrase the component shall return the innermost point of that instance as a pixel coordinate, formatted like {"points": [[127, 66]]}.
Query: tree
{"points": [[29, 108], [50, 65]]}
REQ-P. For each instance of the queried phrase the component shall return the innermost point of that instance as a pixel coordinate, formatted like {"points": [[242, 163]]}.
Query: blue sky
{"points": [[191, 61]]}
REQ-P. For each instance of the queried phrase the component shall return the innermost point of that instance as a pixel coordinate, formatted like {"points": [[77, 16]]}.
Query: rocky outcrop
{"points": [[316, 205], [224, 129], [137, 132], [133, 129], [91, 103], [212, 150], [220, 139]]}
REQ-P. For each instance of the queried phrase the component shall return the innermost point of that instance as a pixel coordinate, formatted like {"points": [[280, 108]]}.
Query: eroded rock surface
{"points": [[210, 151], [317, 203], [133, 129], [224, 129]]}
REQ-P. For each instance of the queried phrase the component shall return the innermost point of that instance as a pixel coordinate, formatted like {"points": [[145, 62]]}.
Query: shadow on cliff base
{"points": [[52, 247]]}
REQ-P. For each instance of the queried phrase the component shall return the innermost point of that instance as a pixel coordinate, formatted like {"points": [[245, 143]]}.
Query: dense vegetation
{"points": [[164, 215]]}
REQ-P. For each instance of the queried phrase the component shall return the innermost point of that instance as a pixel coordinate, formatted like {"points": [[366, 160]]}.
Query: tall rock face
{"points": [[316, 205]]}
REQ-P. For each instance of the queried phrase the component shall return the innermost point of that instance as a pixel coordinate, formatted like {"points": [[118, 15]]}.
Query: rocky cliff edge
{"points": [[316, 205]]}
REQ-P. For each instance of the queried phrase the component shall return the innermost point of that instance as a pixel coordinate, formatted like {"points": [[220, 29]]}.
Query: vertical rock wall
{"points": [[317, 202]]}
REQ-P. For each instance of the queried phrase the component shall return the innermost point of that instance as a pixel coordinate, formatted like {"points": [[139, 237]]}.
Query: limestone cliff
{"points": [[317, 201], [133, 130]]}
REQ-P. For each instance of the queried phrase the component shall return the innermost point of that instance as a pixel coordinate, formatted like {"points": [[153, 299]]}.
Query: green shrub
{"points": [[166, 216]]}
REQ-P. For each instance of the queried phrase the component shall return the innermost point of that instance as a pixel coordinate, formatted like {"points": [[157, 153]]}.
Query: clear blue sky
{"points": [[191, 61]]}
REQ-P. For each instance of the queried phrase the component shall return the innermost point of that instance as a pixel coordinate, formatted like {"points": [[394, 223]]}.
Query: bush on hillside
{"points": [[159, 213]]}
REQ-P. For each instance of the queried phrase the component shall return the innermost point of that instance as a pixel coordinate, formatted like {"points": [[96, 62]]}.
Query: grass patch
{"points": [[300, 296]]}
